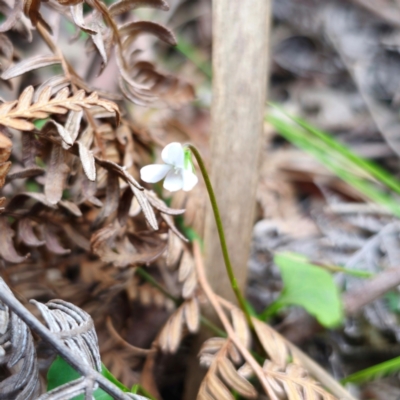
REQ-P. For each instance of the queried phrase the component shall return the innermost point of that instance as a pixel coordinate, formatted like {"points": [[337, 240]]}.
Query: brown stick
{"points": [[371, 290]]}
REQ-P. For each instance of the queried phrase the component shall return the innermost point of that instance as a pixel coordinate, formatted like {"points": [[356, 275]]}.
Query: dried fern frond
{"points": [[72, 335], [148, 295], [294, 383], [187, 315], [75, 327], [222, 375], [17, 114], [5, 152], [18, 356]]}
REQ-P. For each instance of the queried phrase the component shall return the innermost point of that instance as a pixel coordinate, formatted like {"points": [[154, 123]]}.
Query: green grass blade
{"points": [[363, 175], [376, 372]]}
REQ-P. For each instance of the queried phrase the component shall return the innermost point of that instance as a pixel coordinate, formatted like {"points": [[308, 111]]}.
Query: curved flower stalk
{"points": [[178, 169]]}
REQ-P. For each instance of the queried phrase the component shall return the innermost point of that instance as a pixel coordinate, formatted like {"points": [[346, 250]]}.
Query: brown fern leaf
{"points": [[222, 374], [5, 152], [187, 275], [273, 343], [294, 383], [188, 314], [18, 114], [148, 295], [124, 6], [18, 357]]}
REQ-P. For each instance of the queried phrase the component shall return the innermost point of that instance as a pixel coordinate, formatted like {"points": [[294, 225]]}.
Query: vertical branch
{"points": [[240, 62]]}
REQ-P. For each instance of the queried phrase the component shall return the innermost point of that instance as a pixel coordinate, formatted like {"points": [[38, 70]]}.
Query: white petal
{"points": [[173, 181], [154, 172], [189, 180], [173, 155]]}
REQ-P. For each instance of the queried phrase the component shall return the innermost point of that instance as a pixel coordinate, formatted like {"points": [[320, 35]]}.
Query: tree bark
{"points": [[240, 63], [240, 71]]}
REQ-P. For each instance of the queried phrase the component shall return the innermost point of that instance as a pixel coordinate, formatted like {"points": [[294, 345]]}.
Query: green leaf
{"points": [[376, 372], [310, 287], [60, 372]]}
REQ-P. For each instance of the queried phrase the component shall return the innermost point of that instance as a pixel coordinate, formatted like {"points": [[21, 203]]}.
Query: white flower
{"points": [[177, 170]]}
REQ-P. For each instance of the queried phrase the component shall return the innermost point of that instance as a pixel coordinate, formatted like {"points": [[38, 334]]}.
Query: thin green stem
{"points": [[224, 248], [206, 322], [144, 274]]}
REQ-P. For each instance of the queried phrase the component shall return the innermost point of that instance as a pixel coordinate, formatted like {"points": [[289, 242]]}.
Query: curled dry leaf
{"points": [[7, 249], [52, 242], [124, 6], [134, 29], [27, 234]]}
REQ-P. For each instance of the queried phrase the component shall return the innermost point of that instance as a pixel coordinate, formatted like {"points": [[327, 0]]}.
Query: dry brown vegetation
{"points": [[77, 225]]}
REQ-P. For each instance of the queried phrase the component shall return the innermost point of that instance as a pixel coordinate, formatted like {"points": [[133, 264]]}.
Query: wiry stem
{"points": [[220, 228], [67, 354]]}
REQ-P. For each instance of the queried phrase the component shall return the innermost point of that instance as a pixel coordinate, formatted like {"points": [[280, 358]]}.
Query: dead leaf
{"points": [[7, 249], [4, 168], [52, 242], [29, 65], [124, 6], [5, 148], [26, 233], [134, 29], [88, 161], [56, 174]]}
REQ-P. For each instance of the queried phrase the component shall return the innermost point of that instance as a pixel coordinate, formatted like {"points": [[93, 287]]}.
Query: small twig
{"points": [[370, 290], [226, 324], [67, 354], [137, 351]]}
